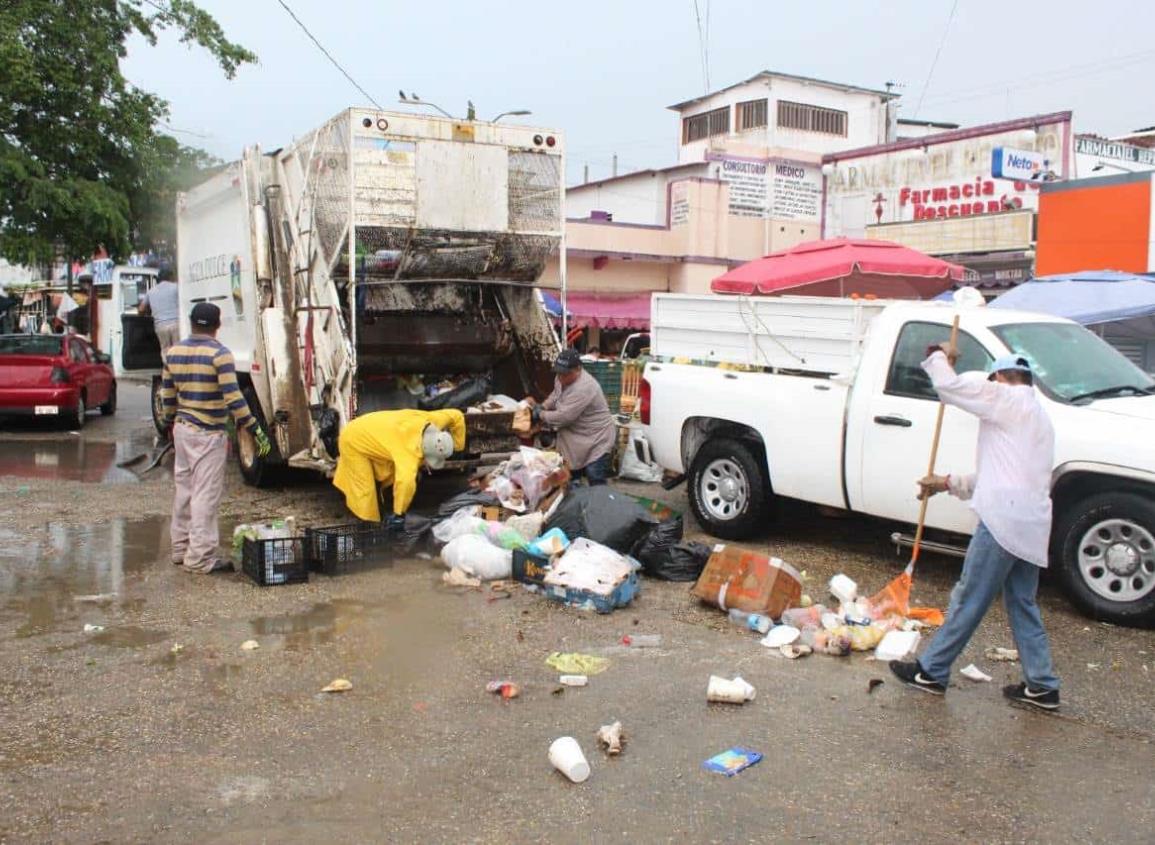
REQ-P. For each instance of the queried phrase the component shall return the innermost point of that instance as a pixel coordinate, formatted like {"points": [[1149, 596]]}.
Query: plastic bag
{"points": [[467, 393], [550, 543], [637, 461], [463, 500], [478, 557], [589, 567], [653, 550], [501, 535], [527, 525], [683, 562], [604, 516], [464, 521]]}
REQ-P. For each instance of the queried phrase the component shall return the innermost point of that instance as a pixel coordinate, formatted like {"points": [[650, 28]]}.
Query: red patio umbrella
{"points": [[843, 267]]}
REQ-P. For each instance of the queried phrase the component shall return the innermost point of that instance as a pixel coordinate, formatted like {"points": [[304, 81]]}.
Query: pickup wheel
{"points": [[728, 490], [157, 403], [1106, 551]]}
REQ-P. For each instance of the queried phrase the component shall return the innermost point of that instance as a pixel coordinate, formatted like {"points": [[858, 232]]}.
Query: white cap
{"points": [[437, 446]]}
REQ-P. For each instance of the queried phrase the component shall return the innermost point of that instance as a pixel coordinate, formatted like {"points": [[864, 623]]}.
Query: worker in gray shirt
{"points": [[163, 303], [577, 409]]}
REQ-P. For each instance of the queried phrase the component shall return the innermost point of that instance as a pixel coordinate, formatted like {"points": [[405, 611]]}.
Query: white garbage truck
{"points": [[372, 262]]}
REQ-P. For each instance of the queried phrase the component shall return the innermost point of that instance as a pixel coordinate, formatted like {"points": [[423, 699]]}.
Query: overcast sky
{"points": [[603, 72]]}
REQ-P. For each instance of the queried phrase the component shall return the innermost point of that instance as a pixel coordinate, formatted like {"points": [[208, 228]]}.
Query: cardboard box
{"points": [[530, 569], [744, 579]]}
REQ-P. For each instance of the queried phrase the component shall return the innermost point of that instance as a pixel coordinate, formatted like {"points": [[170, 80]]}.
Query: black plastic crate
{"points": [[340, 549], [274, 562]]}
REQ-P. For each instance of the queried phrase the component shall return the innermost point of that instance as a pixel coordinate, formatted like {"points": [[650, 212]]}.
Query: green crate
{"points": [[608, 374]]}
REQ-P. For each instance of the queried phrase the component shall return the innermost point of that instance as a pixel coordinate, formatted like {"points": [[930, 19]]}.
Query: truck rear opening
{"points": [[379, 255]]}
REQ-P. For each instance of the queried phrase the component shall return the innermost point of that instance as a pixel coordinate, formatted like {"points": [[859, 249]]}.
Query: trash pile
{"points": [[582, 547], [764, 595]]}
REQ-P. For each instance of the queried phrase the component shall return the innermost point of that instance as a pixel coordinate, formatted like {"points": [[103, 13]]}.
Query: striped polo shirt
{"points": [[200, 385]]}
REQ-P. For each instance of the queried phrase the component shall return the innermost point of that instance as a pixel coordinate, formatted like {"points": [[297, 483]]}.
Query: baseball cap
{"points": [[205, 315], [567, 361], [436, 445], [1008, 362]]}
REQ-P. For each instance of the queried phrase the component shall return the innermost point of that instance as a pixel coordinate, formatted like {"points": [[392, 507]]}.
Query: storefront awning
{"points": [[609, 311]]}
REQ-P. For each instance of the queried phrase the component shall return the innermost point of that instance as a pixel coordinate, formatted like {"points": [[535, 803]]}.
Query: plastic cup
{"points": [[566, 756], [726, 692]]}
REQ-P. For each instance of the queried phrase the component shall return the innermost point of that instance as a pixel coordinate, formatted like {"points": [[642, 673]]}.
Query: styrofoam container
{"points": [[843, 588], [897, 645]]}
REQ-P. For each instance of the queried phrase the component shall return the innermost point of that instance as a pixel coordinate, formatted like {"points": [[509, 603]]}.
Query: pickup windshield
{"points": [[1071, 364], [29, 344]]}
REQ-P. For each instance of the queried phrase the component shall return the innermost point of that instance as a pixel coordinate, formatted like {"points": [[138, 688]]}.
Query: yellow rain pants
{"points": [[385, 448]]}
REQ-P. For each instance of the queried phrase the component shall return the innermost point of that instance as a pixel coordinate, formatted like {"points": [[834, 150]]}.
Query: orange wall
{"points": [[1094, 228]]}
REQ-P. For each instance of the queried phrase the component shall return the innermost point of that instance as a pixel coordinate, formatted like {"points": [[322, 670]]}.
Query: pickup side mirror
{"points": [[103, 358]]}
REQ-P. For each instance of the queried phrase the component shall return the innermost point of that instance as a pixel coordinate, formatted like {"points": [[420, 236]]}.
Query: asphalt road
{"points": [[161, 728]]}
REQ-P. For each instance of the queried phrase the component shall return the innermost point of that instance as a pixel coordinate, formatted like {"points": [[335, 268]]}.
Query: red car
{"points": [[52, 375]]}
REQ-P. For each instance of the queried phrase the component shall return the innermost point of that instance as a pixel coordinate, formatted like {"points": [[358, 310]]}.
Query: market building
{"points": [[748, 181], [938, 194]]}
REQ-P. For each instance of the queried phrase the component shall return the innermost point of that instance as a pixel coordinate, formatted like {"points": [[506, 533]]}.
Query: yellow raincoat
{"points": [[385, 448]]}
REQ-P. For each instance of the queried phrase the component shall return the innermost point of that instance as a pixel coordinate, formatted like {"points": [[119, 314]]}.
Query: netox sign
{"points": [[1025, 165]]}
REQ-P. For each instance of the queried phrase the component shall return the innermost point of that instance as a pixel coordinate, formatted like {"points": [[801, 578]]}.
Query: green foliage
{"points": [[81, 164]]}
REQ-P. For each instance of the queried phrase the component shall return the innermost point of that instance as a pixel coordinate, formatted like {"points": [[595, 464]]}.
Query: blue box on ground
{"points": [[532, 570]]}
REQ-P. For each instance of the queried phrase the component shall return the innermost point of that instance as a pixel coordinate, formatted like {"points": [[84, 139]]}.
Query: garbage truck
{"points": [[375, 260]]}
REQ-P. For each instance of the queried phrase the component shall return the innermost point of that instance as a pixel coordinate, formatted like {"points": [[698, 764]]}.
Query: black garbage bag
{"points": [[653, 550], [414, 537], [603, 515], [464, 500], [683, 562], [465, 395]]}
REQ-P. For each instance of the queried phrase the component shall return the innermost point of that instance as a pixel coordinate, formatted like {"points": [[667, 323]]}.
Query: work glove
{"points": [[395, 524], [262, 440]]}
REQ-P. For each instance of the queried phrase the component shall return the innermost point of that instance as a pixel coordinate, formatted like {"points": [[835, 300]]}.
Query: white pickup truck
{"points": [[823, 400]]}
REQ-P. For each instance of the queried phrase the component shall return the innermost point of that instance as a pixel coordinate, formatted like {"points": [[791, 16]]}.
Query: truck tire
{"points": [[157, 407], [257, 471], [1106, 557], [728, 490]]}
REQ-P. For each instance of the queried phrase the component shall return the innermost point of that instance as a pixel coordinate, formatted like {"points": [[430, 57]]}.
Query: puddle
{"points": [[128, 636], [71, 459], [42, 577], [316, 626]]}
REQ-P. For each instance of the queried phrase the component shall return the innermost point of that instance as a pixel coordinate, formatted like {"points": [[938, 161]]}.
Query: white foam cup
{"points": [[726, 692], [566, 756]]}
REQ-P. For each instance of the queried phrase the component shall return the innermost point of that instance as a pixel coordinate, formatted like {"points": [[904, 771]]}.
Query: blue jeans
{"points": [[989, 568], [595, 472]]}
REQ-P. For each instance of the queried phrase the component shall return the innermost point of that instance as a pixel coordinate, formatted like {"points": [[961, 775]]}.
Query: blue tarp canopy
{"points": [[1090, 297]]}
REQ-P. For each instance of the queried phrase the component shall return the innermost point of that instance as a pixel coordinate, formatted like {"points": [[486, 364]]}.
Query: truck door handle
{"points": [[902, 422]]}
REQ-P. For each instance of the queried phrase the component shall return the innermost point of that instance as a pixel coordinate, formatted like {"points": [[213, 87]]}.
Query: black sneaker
{"points": [[910, 673], [1044, 699], [222, 565]]}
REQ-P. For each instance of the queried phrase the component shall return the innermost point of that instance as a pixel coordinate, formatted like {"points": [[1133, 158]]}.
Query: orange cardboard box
{"points": [[749, 581]]}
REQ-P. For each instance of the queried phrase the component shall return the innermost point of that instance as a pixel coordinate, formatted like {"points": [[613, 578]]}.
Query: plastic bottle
{"points": [[751, 621], [642, 640]]}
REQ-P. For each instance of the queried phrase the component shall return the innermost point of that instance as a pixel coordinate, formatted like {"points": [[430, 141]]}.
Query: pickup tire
{"points": [[1105, 547], [157, 403], [728, 490]]}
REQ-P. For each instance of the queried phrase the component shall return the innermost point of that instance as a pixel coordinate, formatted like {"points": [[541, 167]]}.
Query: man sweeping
{"points": [[389, 448], [1010, 493]]}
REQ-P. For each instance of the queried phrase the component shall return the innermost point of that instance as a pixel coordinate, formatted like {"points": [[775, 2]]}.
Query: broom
{"points": [[895, 596]]}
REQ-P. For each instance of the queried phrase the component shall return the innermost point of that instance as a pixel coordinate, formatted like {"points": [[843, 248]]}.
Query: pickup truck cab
{"points": [[824, 400]]}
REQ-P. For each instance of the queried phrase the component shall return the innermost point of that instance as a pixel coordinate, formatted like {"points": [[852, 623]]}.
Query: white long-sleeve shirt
{"points": [[1011, 489]]}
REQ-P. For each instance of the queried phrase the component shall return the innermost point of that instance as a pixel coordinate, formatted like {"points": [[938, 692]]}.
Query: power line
{"points": [[329, 56], [937, 53], [702, 48]]}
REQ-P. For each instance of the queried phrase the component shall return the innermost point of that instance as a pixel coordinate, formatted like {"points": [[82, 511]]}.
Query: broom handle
{"points": [[933, 458]]}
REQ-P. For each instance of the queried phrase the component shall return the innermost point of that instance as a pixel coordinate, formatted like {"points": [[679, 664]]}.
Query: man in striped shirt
{"points": [[199, 392]]}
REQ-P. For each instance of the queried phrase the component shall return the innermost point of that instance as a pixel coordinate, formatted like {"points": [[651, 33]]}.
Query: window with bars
{"points": [[706, 125], [811, 118], [751, 114]]}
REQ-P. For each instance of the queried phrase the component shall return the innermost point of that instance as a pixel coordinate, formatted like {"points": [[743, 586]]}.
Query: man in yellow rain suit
{"points": [[388, 448]]}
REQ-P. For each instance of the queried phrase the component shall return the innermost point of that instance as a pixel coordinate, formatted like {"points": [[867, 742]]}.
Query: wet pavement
{"points": [[154, 724]]}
